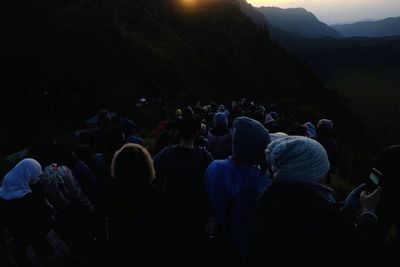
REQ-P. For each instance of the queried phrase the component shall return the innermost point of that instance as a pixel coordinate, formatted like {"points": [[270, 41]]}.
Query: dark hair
{"points": [[133, 165], [102, 119], [63, 155], [259, 116], [187, 112], [44, 152], [189, 127], [298, 130], [83, 152]]}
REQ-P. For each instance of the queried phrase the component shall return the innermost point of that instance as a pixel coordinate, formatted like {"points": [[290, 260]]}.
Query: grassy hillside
{"points": [[374, 95]]}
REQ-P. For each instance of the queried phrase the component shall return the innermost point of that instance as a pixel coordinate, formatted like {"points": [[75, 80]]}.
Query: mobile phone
{"points": [[375, 178]]}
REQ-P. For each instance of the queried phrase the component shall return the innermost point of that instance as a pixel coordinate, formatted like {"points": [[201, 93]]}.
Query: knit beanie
{"points": [[298, 159]]}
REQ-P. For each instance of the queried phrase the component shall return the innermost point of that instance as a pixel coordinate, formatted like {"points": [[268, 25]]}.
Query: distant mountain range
{"points": [[380, 28], [295, 23], [298, 21]]}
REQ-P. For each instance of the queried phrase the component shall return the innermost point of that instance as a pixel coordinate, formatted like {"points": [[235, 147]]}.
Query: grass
{"points": [[373, 94], [341, 187]]}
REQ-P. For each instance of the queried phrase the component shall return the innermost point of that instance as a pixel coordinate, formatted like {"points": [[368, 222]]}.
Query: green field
{"points": [[374, 95]]}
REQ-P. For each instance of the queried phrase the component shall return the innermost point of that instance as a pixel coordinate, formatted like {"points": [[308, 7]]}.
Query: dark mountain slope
{"points": [[298, 21], [275, 33], [255, 15]]}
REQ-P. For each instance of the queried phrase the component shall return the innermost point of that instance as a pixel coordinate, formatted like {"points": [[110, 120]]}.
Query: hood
{"points": [[245, 177]]}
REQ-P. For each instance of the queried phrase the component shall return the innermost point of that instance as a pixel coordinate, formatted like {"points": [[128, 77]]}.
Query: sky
{"points": [[340, 11]]}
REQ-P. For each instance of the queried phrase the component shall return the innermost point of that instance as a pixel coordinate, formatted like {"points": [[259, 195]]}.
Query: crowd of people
{"points": [[221, 186]]}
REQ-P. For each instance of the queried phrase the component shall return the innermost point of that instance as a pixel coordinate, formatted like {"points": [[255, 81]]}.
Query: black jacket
{"points": [[295, 225], [26, 221], [136, 226]]}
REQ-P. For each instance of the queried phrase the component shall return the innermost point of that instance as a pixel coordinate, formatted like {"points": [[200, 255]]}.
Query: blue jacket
{"points": [[233, 191]]}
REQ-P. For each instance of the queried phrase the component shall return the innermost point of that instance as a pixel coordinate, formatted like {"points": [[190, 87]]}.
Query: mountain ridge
{"points": [[377, 28], [298, 21]]}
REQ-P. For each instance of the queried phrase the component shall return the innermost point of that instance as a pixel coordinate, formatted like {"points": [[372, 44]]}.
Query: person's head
{"points": [[311, 131], [63, 155], [220, 120], [164, 115], [387, 162], [203, 129], [269, 119], [214, 106], [298, 130], [275, 115], [128, 126], [249, 141], [102, 119], [325, 128], [16, 183], [259, 116], [298, 159], [133, 165], [54, 176], [178, 113], [115, 121], [237, 112], [189, 128], [187, 112], [114, 139], [84, 153], [44, 152]]}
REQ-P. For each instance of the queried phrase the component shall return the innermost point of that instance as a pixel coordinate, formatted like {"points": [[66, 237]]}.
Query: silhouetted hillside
{"points": [[298, 21], [66, 59], [380, 28], [256, 16]]}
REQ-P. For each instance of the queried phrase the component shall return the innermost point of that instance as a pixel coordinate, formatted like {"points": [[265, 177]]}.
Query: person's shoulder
{"points": [[164, 153], [29, 200], [135, 140], [204, 154], [219, 164], [81, 166], [211, 132], [207, 153]]}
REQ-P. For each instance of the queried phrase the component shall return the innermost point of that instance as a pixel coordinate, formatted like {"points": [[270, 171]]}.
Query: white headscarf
{"points": [[16, 182]]}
